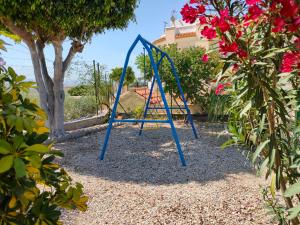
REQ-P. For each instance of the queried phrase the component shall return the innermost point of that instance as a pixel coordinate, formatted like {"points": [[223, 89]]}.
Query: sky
{"points": [[109, 48]]}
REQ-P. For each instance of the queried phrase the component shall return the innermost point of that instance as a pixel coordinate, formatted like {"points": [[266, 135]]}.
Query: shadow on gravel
{"points": [[152, 158]]}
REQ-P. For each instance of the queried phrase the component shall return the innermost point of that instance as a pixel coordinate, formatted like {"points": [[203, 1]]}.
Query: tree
{"points": [[34, 188], [116, 73], [39, 23], [195, 74], [259, 40]]}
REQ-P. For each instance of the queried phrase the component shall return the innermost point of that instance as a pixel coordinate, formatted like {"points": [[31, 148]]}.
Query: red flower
{"points": [[242, 53], [235, 67], [228, 47], [252, 2], [279, 25], [189, 13], [239, 34], [289, 8], [202, 20], [297, 43], [209, 33], [201, 9], [220, 23], [295, 25], [220, 89], [254, 13], [205, 58], [290, 61]]}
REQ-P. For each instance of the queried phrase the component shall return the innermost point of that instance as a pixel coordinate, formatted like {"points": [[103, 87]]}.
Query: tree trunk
{"points": [[51, 92]]}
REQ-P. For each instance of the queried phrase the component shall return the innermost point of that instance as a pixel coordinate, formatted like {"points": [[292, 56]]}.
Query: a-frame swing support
{"points": [[149, 46]]}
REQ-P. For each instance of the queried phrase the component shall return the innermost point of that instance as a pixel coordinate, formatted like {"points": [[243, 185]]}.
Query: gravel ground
{"points": [[141, 180]]}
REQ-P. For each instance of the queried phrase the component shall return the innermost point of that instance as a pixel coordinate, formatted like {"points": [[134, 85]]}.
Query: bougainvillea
{"points": [[259, 42]]}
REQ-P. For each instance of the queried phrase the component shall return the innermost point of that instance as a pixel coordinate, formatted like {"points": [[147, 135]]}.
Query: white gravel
{"points": [[141, 180]]}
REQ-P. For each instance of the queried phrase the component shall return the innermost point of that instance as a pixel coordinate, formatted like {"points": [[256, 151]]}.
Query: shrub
{"points": [[76, 108], [195, 74], [33, 188], [259, 41], [81, 90]]}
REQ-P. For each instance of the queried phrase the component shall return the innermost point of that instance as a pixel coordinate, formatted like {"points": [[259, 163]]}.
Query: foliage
{"points": [[39, 23], [194, 74], [138, 112], [259, 43], [77, 19], [218, 107], [76, 108], [93, 82], [33, 187], [80, 90], [116, 73]]}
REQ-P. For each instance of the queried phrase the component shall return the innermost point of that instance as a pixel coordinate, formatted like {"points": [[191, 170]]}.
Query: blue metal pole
{"points": [[174, 133], [182, 95], [102, 153], [150, 95]]}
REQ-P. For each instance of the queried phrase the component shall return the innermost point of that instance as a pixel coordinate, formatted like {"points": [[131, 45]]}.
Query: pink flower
{"points": [[252, 2], [189, 13], [290, 61], [254, 13], [235, 67], [209, 33], [242, 53], [289, 8], [228, 47], [220, 89], [279, 24], [202, 20], [205, 58], [201, 9]]}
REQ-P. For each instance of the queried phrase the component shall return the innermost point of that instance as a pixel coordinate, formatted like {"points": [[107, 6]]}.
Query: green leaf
{"points": [[292, 190], [5, 147], [273, 186], [6, 163], [35, 160], [293, 212], [19, 166], [19, 124], [246, 109], [259, 149], [37, 148], [228, 143], [263, 166]]}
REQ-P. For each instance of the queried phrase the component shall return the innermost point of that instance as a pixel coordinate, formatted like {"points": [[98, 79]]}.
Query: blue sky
{"points": [[109, 48]]}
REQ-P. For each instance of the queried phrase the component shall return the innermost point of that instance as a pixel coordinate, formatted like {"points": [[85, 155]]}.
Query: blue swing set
{"points": [[155, 65]]}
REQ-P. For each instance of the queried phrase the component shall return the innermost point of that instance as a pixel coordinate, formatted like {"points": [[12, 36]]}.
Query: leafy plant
{"points": [[117, 72], [33, 187], [195, 74], [259, 42], [53, 23], [76, 108], [81, 90]]}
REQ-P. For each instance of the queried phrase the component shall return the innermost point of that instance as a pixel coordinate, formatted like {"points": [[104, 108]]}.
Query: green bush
{"points": [[33, 188], [81, 90], [76, 108]]}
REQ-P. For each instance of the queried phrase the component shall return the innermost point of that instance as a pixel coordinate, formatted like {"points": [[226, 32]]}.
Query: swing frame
{"points": [[155, 65]]}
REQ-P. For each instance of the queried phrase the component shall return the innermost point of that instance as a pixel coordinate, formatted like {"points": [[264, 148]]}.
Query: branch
{"points": [[58, 62], [77, 46], [48, 81], [20, 31]]}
